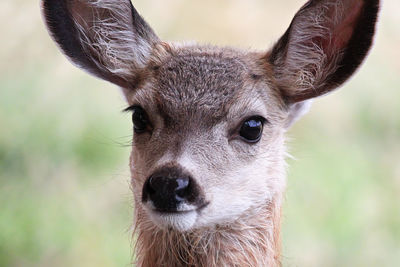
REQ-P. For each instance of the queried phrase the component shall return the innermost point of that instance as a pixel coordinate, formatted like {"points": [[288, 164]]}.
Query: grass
{"points": [[64, 146]]}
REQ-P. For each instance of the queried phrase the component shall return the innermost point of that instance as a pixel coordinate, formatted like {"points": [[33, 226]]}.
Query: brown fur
{"points": [[253, 238], [250, 241]]}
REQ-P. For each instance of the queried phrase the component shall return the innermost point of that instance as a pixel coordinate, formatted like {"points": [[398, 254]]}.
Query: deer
{"points": [[208, 170]]}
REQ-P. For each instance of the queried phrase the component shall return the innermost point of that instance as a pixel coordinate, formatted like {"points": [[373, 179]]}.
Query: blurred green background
{"points": [[64, 144]]}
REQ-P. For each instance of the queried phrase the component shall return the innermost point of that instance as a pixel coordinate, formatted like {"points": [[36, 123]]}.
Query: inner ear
{"points": [[343, 31], [324, 45], [107, 38], [340, 24]]}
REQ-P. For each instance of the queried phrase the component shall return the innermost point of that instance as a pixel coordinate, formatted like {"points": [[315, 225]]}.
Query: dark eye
{"points": [[139, 119], [252, 129]]}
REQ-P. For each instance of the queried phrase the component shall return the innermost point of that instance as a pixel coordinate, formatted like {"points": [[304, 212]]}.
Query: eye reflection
{"points": [[139, 119], [252, 128]]}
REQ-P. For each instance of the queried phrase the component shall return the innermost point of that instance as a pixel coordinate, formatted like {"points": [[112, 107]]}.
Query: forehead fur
{"points": [[200, 81]]}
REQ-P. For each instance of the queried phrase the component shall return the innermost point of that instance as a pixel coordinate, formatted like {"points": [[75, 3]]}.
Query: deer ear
{"points": [[324, 45], [107, 38]]}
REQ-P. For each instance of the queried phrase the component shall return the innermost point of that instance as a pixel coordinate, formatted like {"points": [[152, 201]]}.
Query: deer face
{"points": [[208, 137], [209, 122]]}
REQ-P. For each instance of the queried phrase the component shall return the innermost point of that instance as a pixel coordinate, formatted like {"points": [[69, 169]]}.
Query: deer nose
{"points": [[168, 193], [176, 187]]}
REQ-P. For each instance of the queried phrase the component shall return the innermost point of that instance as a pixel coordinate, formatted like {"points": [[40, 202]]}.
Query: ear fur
{"points": [[324, 45], [107, 38], [296, 111]]}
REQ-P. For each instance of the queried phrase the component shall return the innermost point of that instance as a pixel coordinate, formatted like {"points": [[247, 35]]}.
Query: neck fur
{"points": [[252, 240]]}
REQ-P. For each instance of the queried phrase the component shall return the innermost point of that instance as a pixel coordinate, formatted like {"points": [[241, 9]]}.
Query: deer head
{"points": [[209, 122]]}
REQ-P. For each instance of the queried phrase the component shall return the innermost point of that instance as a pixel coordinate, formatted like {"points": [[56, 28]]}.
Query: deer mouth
{"points": [[182, 209], [182, 219]]}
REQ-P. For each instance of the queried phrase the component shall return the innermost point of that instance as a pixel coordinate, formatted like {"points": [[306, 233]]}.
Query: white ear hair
{"points": [[324, 45], [296, 111], [307, 61], [109, 37]]}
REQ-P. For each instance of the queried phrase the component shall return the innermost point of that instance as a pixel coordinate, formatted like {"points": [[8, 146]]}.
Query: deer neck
{"points": [[253, 240]]}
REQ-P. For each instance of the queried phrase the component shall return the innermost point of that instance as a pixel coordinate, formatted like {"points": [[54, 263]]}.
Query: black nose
{"points": [[168, 189]]}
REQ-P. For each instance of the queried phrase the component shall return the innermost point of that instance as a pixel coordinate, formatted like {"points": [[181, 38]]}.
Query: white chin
{"points": [[181, 221]]}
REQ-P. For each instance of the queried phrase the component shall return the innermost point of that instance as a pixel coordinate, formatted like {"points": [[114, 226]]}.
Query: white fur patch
{"points": [[296, 111], [181, 221], [244, 186]]}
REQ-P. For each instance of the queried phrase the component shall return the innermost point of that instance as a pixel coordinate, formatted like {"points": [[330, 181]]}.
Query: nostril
{"points": [[181, 190], [157, 183], [164, 185], [182, 183], [151, 186]]}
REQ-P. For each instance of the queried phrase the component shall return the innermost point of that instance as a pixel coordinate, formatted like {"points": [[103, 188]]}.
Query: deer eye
{"points": [[251, 129], [139, 119]]}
